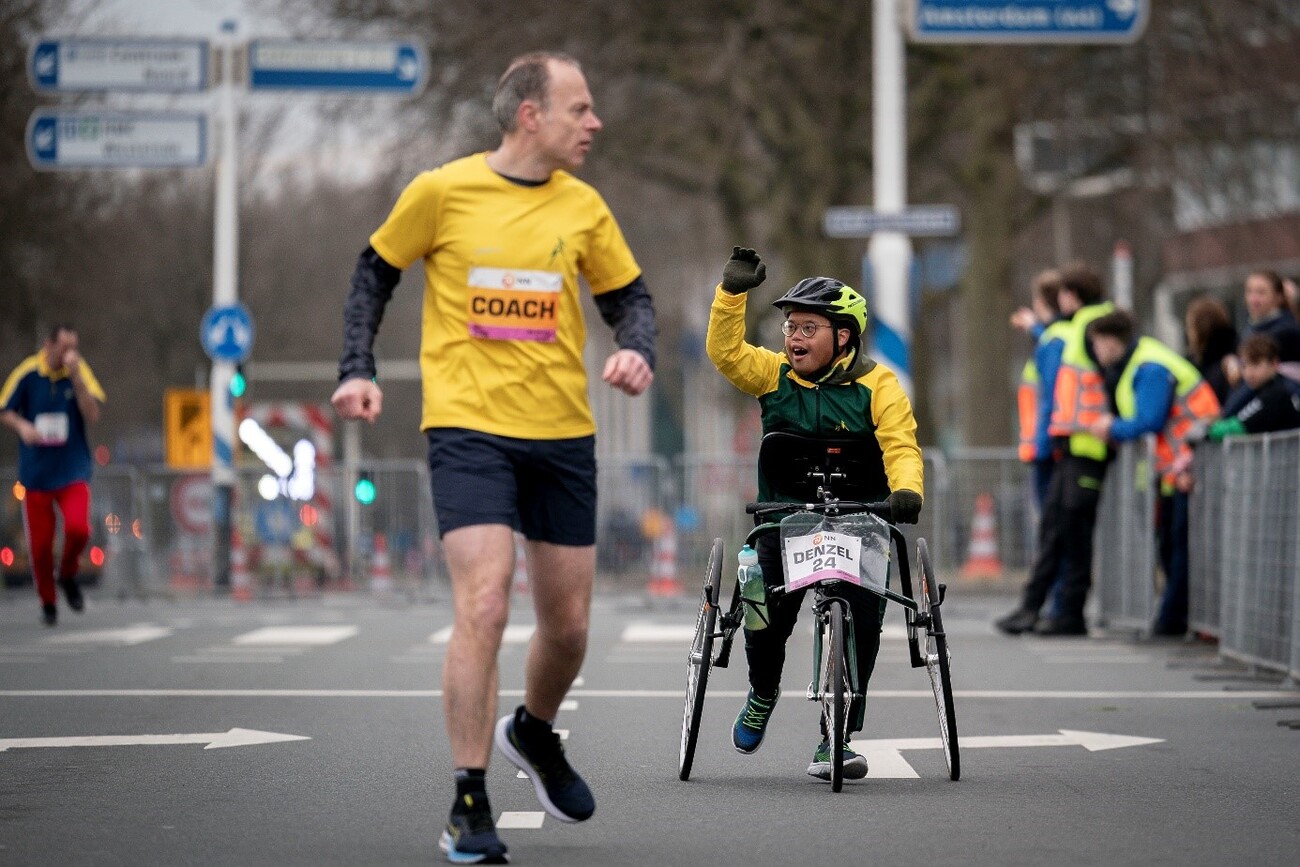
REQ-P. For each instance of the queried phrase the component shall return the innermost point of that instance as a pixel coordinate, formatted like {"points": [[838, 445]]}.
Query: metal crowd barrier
{"points": [[1124, 547]]}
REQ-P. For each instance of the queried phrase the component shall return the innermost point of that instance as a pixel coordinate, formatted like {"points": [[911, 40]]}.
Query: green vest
{"points": [[1152, 351]]}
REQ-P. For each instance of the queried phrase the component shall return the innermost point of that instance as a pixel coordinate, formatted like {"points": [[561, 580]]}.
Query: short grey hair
{"points": [[527, 77]]}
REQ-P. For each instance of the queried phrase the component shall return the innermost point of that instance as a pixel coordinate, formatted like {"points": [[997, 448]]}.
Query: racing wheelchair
{"points": [[826, 543]]}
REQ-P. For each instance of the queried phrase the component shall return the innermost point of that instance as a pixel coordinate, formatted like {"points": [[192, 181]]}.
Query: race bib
{"points": [[823, 555], [51, 428], [505, 304]]}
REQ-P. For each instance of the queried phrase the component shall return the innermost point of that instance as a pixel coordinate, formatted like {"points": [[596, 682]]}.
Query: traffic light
{"points": [[238, 384], [364, 490]]}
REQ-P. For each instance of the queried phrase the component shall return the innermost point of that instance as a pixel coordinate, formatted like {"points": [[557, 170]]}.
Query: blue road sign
{"points": [[118, 64], [59, 139], [1036, 21], [227, 333], [921, 221], [276, 521], [392, 67]]}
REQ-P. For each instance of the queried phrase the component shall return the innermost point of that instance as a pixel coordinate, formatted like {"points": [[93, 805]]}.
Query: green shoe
{"points": [[751, 724], [855, 765]]}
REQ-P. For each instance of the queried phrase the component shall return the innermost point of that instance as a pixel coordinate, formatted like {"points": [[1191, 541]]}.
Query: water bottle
{"points": [[752, 590]]}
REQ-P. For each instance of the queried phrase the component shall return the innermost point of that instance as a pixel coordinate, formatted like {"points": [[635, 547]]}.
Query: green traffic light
{"points": [[238, 385], [364, 491]]}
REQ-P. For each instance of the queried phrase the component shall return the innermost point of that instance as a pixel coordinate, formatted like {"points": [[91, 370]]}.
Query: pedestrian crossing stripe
{"points": [[296, 635], [516, 633], [128, 636], [511, 819]]}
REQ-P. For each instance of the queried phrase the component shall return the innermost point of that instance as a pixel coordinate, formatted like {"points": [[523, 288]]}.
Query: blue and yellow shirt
{"points": [[46, 398]]}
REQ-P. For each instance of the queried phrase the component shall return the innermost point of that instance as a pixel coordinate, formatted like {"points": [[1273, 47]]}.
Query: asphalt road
{"points": [[1194, 772]]}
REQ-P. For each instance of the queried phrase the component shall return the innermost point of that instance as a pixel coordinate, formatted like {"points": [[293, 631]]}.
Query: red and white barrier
{"points": [[982, 558]]}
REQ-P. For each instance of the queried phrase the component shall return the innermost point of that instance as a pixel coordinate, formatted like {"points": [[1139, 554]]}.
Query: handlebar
{"points": [[831, 507]]}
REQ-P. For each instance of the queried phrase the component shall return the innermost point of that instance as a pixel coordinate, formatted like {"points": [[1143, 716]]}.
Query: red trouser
{"points": [[38, 509]]}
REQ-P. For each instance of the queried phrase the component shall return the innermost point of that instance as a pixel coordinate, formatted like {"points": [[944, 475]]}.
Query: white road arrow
{"points": [[213, 740], [885, 759]]}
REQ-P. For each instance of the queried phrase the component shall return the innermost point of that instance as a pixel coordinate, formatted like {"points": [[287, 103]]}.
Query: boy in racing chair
{"points": [[823, 384]]}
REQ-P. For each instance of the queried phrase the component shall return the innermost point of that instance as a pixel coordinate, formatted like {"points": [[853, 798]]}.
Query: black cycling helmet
{"points": [[841, 304]]}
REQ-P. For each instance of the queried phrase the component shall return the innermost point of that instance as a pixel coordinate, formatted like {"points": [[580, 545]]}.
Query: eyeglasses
{"points": [[807, 329]]}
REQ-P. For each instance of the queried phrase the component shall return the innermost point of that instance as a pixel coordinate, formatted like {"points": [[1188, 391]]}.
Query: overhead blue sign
{"points": [[227, 333], [59, 139], [282, 64], [1028, 20], [118, 64]]}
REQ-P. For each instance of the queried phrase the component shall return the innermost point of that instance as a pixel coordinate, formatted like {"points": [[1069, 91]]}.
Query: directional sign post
{"points": [[146, 65], [58, 139], [1034, 21], [280, 64], [920, 221]]}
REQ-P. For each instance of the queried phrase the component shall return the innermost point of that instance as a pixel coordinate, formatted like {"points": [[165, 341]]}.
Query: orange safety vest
{"points": [[1080, 395], [1194, 401], [1027, 393]]}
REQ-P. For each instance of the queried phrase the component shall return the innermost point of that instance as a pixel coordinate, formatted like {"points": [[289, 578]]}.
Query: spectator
{"points": [[1044, 323], [1155, 391], [1212, 344], [1266, 304], [48, 400], [1273, 402], [1070, 512]]}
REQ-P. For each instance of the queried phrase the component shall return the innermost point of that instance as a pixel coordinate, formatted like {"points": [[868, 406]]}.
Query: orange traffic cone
{"points": [[663, 570], [982, 560], [241, 582], [381, 570]]}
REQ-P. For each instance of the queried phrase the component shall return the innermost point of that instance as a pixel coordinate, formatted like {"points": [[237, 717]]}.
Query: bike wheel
{"points": [[700, 661], [835, 687], [938, 661]]}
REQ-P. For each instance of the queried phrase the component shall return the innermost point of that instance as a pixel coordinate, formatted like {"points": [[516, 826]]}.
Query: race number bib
{"points": [[51, 428], [823, 555], [505, 304]]}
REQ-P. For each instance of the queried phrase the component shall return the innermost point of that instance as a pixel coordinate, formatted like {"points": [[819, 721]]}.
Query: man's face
{"points": [[1261, 300], [1108, 349], [1256, 373], [810, 354], [568, 123], [57, 350]]}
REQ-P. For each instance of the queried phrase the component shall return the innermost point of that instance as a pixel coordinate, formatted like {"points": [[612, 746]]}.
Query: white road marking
{"points": [[296, 635], [520, 820], [885, 759], [579, 681], [1095, 660], [658, 633], [239, 660], [516, 633], [674, 694], [214, 740], [128, 636]]}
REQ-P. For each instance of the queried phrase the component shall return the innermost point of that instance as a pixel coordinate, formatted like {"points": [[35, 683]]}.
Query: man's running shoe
{"points": [[536, 750], [471, 836], [751, 724], [49, 614], [855, 765], [72, 592]]}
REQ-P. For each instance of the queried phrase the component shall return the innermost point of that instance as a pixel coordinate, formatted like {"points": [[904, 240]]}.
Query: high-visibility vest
{"points": [[1194, 400], [1027, 393], [1080, 395]]}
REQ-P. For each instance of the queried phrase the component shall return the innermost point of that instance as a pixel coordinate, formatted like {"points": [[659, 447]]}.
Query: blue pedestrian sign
{"points": [[1028, 21], [227, 333], [276, 521], [391, 67]]}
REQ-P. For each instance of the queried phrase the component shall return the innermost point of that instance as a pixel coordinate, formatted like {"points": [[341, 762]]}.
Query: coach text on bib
{"points": [[506, 304]]}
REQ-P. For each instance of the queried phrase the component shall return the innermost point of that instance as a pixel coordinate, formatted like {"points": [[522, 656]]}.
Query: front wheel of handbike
{"points": [[938, 661], [835, 688], [700, 661]]}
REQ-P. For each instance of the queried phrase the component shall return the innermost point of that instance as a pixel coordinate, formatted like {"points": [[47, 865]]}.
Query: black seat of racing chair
{"points": [[795, 465]]}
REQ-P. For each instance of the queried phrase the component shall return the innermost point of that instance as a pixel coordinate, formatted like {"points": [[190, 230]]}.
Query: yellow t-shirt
{"points": [[503, 331]]}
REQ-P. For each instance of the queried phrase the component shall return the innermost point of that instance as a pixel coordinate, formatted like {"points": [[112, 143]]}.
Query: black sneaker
{"points": [[49, 614], [540, 756], [1017, 622], [72, 592], [471, 836]]}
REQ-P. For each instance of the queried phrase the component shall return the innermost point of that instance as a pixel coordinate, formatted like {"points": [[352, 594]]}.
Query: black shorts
{"points": [[544, 488]]}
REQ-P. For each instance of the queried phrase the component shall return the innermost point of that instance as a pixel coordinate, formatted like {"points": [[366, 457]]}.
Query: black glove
{"points": [[905, 506], [744, 271]]}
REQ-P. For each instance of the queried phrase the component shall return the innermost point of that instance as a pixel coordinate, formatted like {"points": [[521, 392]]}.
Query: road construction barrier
{"points": [[241, 580], [982, 560], [381, 567], [663, 574]]}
